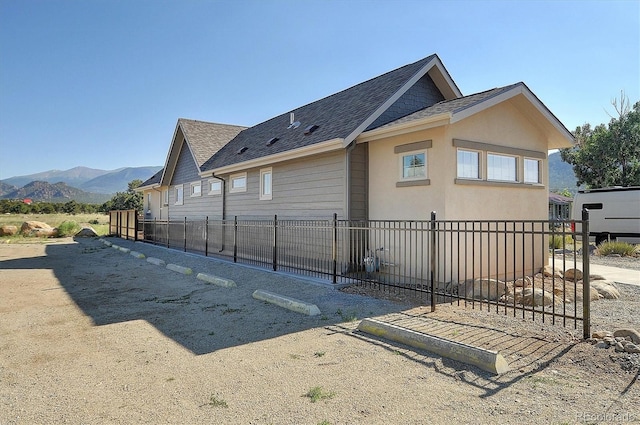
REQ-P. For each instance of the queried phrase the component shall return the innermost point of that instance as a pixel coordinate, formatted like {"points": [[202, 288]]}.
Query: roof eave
{"points": [[406, 127], [316, 148]]}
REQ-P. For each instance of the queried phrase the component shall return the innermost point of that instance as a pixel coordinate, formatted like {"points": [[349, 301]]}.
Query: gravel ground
{"points": [[89, 334]]}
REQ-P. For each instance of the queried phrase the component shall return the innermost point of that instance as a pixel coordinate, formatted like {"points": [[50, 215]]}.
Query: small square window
{"points": [[215, 187], [414, 166], [266, 184], [531, 171], [179, 194], [196, 189], [238, 183]]}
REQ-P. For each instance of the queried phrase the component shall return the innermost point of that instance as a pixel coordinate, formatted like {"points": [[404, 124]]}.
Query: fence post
{"points": [[155, 230], [184, 235], [235, 238], [126, 228], [275, 242], [433, 260], [168, 227], [206, 236], [334, 248], [586, 285]]}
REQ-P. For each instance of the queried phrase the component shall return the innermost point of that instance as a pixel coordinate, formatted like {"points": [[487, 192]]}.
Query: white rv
{"points": [[614, 212]]}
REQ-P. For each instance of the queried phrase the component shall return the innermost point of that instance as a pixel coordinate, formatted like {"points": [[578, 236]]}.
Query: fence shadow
{"points": [[113, 287]]}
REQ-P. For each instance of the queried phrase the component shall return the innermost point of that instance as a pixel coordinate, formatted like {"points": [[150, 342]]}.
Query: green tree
{"points": [[129, 200], [608, 155]]}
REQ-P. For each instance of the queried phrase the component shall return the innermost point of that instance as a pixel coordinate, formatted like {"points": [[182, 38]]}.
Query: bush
{"points": [[68, 228], [621, 248], [94, 221], [557, 241]]}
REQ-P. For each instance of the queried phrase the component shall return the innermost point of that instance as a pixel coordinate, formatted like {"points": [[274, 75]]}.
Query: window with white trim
{"points": [[196, 189], [266, 184], [215, 187], [165, 197], [532, 171], [179, 190], [468, 164], [502, 168], [238, 183], [414, 166]]}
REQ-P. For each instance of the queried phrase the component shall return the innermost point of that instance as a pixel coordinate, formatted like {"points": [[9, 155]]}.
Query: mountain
{"points": [[118, 180], [58, 192], [6, 188], [110, 181], [73, 177], [561, 174]]}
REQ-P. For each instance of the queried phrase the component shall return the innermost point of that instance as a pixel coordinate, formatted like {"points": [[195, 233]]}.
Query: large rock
{"points": [[485, 289], [86, 232], [8, 230], [573, 275], [534, 297], [633, 334], [552, 271], [37, 228], [606, 289]]}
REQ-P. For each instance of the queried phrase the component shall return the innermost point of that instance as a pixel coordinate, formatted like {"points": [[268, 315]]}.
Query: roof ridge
{"points": [[210, 122]]}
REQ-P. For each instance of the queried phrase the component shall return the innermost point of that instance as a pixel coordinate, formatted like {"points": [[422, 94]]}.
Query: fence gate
{"points": [[124, 224]]}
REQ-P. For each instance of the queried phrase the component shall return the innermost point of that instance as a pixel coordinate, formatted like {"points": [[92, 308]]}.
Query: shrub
{"points": [[68, 228], [557, 241], [621, 248], [94, 221]]}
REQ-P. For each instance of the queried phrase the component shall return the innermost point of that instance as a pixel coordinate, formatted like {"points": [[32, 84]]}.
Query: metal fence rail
{"points": [[493, 265]]}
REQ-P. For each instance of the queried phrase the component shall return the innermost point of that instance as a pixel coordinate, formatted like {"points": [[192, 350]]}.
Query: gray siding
{"points": [[196, 207], [422, 94], [308, 187], [359, 183]]}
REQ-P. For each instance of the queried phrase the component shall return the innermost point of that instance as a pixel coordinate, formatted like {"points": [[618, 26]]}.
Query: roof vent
{"points": [[310, 129], [294, 124], [242, 150], [272, 141]]}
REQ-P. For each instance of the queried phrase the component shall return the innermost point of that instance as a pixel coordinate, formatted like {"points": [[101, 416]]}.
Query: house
{"points": [[395, 147]]}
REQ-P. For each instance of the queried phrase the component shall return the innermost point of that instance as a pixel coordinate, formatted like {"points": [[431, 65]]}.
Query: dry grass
{"points": [[54, 220]]}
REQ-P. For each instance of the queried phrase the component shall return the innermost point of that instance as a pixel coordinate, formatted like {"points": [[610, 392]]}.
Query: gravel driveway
{"points": [[89, 334]]}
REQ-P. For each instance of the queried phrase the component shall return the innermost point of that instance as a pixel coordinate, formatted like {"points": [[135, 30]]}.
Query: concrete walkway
{"points": [[616, 274]]}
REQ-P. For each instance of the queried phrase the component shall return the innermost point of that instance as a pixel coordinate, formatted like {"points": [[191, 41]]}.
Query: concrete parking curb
{"points": [[179, 269], [287, 302], [125, 250], [216, 280], [137, 254], [491, 361], [156, 261]]}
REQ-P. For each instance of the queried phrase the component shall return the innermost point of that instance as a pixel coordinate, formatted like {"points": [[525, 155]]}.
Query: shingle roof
{"points": [[155, 179], [206, 138], [337, 117], [452, 106]]}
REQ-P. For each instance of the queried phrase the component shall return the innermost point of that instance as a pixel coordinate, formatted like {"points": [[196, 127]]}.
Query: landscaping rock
{"points": [[632, 334], [37, 228], [551, 272], [534, 297], [573, 275], [606, 289], [488, 289], [632, 348], [8, 230], [86, 232], [601, 334], [523, 282]]}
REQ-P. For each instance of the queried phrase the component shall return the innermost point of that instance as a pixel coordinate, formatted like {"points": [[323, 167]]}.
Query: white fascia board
{"points": [[404, 128], [317, 148], [447, 78], [147, 187], [366, 123], [169, 157]]}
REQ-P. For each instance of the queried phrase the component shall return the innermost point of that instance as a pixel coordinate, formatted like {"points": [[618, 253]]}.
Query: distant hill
{"points": [[6, 188], [58, 192], [561, 174], [118, 180], [111, 181]]}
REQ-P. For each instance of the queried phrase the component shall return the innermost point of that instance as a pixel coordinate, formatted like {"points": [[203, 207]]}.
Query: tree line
{"points": [[129, 200]]}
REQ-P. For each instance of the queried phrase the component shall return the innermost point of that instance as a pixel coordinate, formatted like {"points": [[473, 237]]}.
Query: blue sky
{"points": [[101, 83]]}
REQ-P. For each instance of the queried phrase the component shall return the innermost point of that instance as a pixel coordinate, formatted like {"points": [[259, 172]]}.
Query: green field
{"points": [[54, 220]]}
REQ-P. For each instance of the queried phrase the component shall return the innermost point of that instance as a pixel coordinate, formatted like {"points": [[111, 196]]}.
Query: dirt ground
{"points": [[89, 334]]}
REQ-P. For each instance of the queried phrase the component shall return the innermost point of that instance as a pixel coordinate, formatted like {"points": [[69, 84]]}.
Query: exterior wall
{"points": [[308, 187], [359, 183], [154, 209], [193, 207], [452, 199]]}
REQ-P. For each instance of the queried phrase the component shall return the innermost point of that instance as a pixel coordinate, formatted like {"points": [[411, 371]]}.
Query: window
{"points": [[265, 183], [531, 171], [468, 164], [238, 183], [215, 187], [149, 200], [165, 197], [179, 195], [501, 167], [196, 189], [414, 166]]}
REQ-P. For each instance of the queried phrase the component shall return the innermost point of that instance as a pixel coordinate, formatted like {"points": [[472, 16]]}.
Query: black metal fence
{"points": [[487, 264]]}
